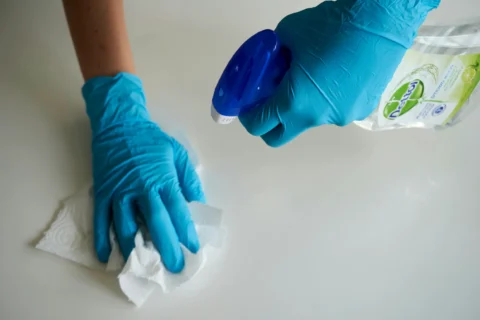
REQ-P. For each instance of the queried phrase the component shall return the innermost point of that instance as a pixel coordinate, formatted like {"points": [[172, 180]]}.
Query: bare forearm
{"points": [[100, 36]]}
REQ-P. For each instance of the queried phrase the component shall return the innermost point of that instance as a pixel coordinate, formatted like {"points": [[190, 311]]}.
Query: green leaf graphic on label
{"points": [[404, 99], [469, 74]]}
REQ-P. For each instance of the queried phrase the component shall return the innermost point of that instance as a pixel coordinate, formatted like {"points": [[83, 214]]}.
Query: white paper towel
{"points": [[71, 237]]}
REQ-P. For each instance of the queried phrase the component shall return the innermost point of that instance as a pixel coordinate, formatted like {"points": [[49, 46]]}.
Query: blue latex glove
{"points": [[140, 173], [344, 54]]}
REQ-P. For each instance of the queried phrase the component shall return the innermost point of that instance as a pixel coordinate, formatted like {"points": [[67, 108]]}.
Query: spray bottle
{"points": [[435, 85], [251, 76]]}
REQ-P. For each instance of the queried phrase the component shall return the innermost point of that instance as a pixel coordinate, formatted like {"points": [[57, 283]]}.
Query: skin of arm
{"points": [[100, 37]]}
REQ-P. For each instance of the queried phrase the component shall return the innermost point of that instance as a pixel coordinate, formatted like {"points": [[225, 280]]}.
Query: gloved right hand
{"points": [[139, 173], [344, 53]]}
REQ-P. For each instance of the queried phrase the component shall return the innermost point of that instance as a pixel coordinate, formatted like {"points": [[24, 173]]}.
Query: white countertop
{"points": [[341, 224]]}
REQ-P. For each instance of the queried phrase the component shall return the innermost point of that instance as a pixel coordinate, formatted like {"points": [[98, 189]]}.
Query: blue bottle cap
{"points": [[251, 76]]}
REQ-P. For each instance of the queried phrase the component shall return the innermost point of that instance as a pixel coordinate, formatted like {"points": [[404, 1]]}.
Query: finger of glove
{"points": [[162, 231], [264, 118], [276, 107], [260, 120], [177, 208], [188, 178], [101, 224], [125, 226], [281, 135]]}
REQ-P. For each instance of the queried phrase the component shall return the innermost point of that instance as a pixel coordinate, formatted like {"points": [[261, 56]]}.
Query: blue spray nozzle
{"points": [[251, 76]]}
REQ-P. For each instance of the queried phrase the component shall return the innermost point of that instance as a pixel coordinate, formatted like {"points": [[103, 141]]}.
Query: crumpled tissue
{"points": [[70, 236]]}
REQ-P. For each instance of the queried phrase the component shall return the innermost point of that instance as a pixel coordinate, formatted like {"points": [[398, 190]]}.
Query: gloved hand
{"points": [[344, 53], [139, 172]]}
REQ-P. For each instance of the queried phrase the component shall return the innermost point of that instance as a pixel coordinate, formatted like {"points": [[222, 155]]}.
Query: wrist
{"points": [[114, 100], [396, 20]]}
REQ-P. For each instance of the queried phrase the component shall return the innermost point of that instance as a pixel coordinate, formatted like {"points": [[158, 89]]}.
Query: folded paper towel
{"points": [[70, 236]]}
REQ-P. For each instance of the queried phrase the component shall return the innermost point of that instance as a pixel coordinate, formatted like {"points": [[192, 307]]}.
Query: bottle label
{"points": [[427, 90]]}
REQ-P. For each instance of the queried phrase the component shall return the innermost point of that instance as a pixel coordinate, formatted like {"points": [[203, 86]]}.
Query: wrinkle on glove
{"points": [[396, 20], [344, 54], [71, 237]]}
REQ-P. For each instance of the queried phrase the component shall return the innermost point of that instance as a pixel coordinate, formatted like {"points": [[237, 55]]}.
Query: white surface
{"points": [[70, 236], [341, 224]]}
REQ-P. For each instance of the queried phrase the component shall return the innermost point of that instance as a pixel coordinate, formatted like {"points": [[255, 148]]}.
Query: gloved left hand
{"points": [[138, 171]]}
